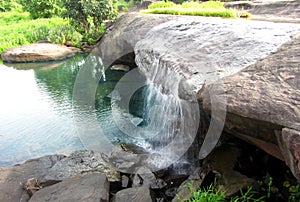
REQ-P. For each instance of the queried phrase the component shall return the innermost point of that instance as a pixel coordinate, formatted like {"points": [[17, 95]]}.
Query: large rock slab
{"points": [[92, 187], [264, 98], [39, 52], [12, 179]]}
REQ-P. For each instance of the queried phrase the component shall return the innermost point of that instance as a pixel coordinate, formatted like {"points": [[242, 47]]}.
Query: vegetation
{"points": [[209, 8], [87, 16], [42, 8]]}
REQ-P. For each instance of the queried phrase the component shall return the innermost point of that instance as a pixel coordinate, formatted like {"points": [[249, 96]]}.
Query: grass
{"points": [[212, 194], [208, 9], [19, 29]]}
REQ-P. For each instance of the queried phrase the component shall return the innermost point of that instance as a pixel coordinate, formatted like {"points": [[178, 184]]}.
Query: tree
{"points": [[42, 8], [87, 15]]}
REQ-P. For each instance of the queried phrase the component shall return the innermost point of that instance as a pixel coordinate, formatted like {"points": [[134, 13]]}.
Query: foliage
{"points": [[162, 4], [25, 31], [178, 11], [209, 9], [122, 5], [42, 8], [212, 194], [7, 18], [9, 5], [62, 33], [209, 195], [87, 16], [294, 191]]}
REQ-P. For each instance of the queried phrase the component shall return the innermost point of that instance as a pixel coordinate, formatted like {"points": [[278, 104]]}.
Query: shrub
{"points": [[9, 5], [64, 33], [88, 15], [42, 8]]}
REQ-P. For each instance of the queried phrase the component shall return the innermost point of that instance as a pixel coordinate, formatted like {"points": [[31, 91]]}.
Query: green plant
{"points": [[88, 15], [9, 5], [43, 8], [248, 196], [62, 34], [294, 191], [162, 4]]}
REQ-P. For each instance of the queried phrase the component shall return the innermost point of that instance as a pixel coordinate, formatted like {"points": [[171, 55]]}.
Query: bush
{"points": [[162, 4], [88, 15], [64, 33], [9, 5], [43, 8]]}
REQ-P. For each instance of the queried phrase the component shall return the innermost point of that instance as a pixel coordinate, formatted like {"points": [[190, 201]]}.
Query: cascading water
{"points": [[168, 124]]}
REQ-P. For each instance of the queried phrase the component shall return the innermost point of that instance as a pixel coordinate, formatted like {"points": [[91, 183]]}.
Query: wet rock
{"points": [[13, 179], [137, 194], [89, 187], [120, 67], [144, 177], [39, 52], [127, 158], [125, 181], [81, 162]]}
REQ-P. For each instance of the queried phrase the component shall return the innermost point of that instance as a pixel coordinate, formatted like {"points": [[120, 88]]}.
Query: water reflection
{"points": [[36, 112]]}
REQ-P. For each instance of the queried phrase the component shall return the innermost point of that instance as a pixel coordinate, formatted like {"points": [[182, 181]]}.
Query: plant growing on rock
{"points": [[87, 16]]}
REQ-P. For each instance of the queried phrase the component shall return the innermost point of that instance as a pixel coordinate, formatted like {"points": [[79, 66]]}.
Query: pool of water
{"points": [[37, 111]]}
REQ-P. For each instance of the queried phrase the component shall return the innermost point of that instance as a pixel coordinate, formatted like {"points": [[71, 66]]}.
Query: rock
{"points": [[90, 187], [125, 181], [13, 179], [121, 38], [222, 161], [31, 186], [144, 177], [289, 144], [133, 195], [262, 99], [39, 52], [276, 10], [120, 67], [81, 162], [127, 158]]}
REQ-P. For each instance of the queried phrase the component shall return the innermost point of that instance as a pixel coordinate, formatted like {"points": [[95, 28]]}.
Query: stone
{"points": [[13, 179], [289, 144], [137, 194], [120, 67], [81, 162], [144, 177], [92, 187], [39, 52], [262, 99], [127, 158]]}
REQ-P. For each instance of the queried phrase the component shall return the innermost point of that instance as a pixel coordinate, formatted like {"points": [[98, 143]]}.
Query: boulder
{"points": [[39, 52], [256, 76], [81, 162], [262, 100], [92, 187], [13, 179], [133, 195]]}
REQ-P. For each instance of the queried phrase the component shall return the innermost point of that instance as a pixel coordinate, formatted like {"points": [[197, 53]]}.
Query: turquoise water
{"points": [[37, 114]]}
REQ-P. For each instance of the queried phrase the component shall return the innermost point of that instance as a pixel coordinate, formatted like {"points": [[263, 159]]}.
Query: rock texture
{"points": [[12, 179], [263, 99], [92, 187], [257, 77], [134, 195], [40, 52]]}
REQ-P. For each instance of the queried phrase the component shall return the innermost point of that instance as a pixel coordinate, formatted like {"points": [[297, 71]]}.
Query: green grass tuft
{"points": [[208, 9]]}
